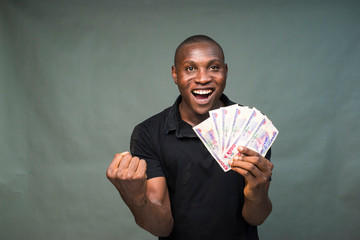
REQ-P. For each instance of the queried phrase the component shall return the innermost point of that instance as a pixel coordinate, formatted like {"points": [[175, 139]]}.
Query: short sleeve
{"points": [[268, 154], [142, 146]]}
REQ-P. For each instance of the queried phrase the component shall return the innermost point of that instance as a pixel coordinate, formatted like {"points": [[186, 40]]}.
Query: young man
{"points": [[170, 182]]}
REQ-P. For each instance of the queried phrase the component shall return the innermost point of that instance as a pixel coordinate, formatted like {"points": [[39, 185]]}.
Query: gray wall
{"points": [[76, 76]]}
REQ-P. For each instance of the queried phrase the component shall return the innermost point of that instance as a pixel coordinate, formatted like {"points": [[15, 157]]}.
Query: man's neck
{"points": [[192, 118]]}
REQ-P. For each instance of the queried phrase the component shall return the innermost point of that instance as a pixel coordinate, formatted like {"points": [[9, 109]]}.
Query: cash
{"points": [[229, 127]]}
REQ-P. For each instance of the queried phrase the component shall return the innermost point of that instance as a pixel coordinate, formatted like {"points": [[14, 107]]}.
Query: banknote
{"points": [[237, 123], [215, 116], [206, 132], [227, 116], [263, 137], [229, 127], [242, 137]]}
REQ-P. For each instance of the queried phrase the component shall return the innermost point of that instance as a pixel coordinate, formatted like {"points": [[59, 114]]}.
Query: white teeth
{"points": [[202, 92]]}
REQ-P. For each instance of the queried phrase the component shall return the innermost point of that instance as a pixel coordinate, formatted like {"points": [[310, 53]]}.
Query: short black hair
{"points": [[197, 39]]}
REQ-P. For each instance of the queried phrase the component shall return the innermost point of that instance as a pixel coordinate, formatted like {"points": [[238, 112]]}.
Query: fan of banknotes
{"points": [[227, 128]]}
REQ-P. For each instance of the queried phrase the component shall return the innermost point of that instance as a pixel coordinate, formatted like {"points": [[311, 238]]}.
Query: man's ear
{"points": [[174, 74]]}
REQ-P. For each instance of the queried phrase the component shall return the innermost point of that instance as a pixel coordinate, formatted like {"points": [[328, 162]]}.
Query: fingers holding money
{"points": [[256, 170], [251, 164], [262, 163]]}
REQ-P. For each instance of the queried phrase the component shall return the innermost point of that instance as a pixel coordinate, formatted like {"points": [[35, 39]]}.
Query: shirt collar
{"points": [[182, 129]]}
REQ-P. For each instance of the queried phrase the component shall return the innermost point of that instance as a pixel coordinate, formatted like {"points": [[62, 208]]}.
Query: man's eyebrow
{"points": [[215, 60], [188, 61]]}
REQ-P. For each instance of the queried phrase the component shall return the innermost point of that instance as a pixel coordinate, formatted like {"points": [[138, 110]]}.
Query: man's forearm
{"points": [[153, 217], [255, 213]]}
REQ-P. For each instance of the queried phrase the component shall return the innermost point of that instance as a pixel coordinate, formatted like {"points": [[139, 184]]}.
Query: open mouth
{"points": [[202, 94]]}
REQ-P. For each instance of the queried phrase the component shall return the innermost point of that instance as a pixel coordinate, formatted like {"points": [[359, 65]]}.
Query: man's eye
{"points": [[214, 67], [189, 68]]}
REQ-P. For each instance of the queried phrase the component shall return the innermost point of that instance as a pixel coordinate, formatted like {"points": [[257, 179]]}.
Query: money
{"points": [[215, 116], [229, 127], [206, 132], [263, 138]]}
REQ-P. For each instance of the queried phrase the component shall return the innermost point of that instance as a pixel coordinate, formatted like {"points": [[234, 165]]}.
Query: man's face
{"points": [[200, 74]]}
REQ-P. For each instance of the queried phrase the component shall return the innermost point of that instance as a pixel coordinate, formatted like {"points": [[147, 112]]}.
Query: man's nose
{"points": [[203, 76]]}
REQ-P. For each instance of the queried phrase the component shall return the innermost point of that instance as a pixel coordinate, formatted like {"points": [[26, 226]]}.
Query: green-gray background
{"points": [[76, 76]]}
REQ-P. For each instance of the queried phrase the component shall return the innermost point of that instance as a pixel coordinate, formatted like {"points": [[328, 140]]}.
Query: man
{"points": [[170, 182]]}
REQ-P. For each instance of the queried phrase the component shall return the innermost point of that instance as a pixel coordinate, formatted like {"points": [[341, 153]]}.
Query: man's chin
{"points": [[203, 110]]}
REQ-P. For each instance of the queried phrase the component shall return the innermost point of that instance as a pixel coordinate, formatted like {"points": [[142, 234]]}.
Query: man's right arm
{"points": [[148, 200]]}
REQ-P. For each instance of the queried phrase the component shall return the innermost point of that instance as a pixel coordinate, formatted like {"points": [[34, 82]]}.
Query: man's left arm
{"points": [[257, 172]]}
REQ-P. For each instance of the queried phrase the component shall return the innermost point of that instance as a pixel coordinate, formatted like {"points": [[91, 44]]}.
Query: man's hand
{"points": [[257, 172], [128, 175], [148, 200]]}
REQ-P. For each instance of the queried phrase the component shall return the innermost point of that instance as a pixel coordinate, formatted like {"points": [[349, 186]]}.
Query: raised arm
{"points": [[148, 200]]}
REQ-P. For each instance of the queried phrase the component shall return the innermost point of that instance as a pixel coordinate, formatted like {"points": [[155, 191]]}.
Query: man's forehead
{"points": [[192, 49], [200, 45]]}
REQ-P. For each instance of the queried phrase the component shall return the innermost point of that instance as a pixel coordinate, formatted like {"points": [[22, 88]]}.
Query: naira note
{"points": [[206, 132], [262, 139], [227, 115], [252, 123], [229, 127], [215, 116], [237, 123]]}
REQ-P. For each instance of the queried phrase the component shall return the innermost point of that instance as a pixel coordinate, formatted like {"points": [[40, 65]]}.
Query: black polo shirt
{"points": [[206, 202]]}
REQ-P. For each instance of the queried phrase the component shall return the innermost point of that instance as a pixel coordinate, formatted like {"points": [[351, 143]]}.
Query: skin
{"points": [[148, 200], [257, 171], [198, 66]]}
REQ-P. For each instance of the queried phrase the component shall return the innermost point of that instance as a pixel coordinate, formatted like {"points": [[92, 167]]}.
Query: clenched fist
{"points": [[128, 175]]}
